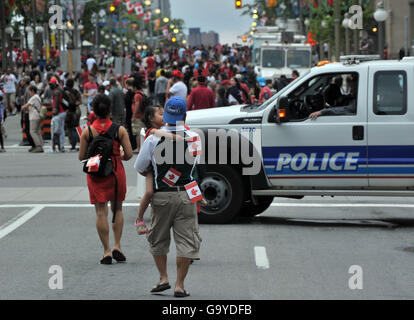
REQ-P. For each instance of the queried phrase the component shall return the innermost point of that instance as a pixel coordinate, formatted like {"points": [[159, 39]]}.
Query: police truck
{"points": [[360, 141]]}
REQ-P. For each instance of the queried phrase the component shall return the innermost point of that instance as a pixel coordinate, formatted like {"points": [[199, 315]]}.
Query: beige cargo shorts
{"points": [[174, 210]]}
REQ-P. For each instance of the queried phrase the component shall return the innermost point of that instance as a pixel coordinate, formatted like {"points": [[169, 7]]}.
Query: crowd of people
{"points": [[156, 95], [205, 77]]}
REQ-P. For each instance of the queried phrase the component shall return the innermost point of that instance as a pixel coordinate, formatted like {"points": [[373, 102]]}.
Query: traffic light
{"points": [[238, 4], [112, 8]]}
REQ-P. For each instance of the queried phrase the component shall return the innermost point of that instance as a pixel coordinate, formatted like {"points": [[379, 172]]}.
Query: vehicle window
{"points": [[334, 94], [273, 59], [390, 93], [297, 59]]}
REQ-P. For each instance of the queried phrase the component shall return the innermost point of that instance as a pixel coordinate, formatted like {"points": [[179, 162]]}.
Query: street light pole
{"points": [[75, 24], [337, 31], [3, 35], [380, 15], [356, 34], [34, 32]]}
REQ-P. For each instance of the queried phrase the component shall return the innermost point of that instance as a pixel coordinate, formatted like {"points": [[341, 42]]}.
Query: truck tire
{"points": [[223, 189], [251, 210]]}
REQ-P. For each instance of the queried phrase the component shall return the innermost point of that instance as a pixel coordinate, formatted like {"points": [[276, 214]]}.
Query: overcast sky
{"points": [[212, 15]]}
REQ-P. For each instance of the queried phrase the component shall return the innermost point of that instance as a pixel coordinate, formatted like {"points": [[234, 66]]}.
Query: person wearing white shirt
{"points": [[90, 62], [176, 87], [9, 88]]}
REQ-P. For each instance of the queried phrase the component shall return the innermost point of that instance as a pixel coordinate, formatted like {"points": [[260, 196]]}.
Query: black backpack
{"points": [[102, 145]]}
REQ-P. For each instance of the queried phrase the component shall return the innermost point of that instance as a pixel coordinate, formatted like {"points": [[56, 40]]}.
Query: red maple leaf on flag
{"points": [[194, 192], [171, 176]]}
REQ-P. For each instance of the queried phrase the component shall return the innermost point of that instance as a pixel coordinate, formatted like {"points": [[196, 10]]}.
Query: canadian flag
{"points": [[195, 148], [165, 32], [194, 144], [129, 6], [172, 177], [194, 192], [93, 163], [148, 16], [80, 129], [139, 10]]}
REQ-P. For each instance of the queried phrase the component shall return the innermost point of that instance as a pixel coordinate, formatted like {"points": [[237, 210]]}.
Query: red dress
{"points": [[102, 189]]}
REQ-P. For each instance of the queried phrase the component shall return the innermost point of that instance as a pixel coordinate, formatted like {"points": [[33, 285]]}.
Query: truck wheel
{"points": [[251, 210], [223, 189]]}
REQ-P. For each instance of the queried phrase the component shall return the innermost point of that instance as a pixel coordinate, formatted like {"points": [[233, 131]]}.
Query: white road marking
{"points": [[260, 256], [19, 220], [57, 205], [343, 205], [299, 205]]}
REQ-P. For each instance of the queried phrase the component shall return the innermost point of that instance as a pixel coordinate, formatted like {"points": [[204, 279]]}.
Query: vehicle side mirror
{"points": [[282, 110]]}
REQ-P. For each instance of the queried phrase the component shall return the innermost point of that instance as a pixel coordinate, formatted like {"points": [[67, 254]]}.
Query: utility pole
{"points": [[356, 35], [34, 55], [3, 36], [337, 30], [75, 24]]}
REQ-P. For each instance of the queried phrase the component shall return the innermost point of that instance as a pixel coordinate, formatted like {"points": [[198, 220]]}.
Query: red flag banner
{"points": [[139, 10], [129, 6], [148, 16]]}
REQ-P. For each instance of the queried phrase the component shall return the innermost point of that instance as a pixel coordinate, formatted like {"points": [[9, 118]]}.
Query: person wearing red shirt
{"points": [[84, 76], [201, 97], [150, 64], [137, 114], [90, 90], [265, 93]]}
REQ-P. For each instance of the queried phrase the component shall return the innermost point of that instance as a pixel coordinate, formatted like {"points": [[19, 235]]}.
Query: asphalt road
{"points": [[295, 250]]}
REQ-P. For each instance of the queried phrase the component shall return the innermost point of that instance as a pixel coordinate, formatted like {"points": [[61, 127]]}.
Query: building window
{"points": [[390, 93]]}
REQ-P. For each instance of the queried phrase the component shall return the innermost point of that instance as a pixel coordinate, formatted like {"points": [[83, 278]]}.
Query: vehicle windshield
{"points": [[297, 59], [273, 59], [281, 92]]}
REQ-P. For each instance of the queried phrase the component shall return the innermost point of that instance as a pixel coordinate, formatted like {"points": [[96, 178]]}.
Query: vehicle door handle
{"points": [[358, 133]]}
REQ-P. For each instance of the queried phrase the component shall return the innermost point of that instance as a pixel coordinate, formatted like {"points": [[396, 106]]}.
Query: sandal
{"points": [[161, 287], [106, 260], [179, 294], [141, 228], [118, 256]]}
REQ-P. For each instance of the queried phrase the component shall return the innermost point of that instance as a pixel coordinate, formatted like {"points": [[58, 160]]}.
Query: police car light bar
{"points": [[355, 59]]}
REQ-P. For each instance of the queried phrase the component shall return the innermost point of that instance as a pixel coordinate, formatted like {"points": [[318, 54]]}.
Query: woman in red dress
{"points": [[102, 189]]}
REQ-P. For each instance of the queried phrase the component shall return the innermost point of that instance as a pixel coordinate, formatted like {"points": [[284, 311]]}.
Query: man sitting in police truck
{"points": [[337, 103]]}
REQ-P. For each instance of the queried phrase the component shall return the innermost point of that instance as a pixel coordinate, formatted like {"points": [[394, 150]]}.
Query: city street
{"points": [[295, 250]]}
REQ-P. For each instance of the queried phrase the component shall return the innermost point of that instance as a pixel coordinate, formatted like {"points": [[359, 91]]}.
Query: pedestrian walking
{"points": [[161, 89], [101, 189], [10, 82], [201, 97], [2, 113], [33, 107], [137, 114], [117, 97], [176, 87], [171, 206], [73, 113]]}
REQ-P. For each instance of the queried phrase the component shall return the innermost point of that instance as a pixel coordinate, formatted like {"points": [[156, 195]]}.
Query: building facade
{"points": [[399, 27], [210, 39], [194, 37], [163, 5]]}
